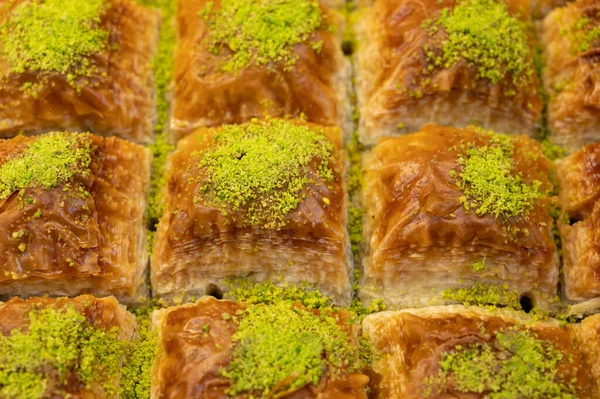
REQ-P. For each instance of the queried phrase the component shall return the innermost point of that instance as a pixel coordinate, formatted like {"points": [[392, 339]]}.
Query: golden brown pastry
{"points": [[454, 208], [221, 349], [63, 347], [541, 8], [233, 62], [264, 200], [471, 353], [445, 62], [579, 180], [81, 65], [72, 216], [571, 73]]}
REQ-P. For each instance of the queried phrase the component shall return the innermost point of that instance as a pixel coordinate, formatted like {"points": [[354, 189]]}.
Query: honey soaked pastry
{"points": [[79, 65], [240, 59], [264, 200], [470, 353], [72, 216], [221, 349], [579, 180], [63, 347], [448, 62], [571, 40], [458, 215]]}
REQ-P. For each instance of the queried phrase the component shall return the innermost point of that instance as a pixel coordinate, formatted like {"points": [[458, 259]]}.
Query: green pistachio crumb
{"points": [[517, 364], [479, 266], [267, 292], [263, 168], [485, 174], [139, 356], [53, 36], [57, 343], [259, 32], [483, 294], [483, 33], [280, 348], [583, 34], [51, 159]]}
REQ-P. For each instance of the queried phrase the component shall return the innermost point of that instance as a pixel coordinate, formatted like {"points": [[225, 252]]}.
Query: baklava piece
{"points": [[63, 348], [579, 181], [571, 40], [264, 200], [221, 349], [77, 65], [449, 62], [240, 59], [72, 216], [454, 212], [467, 353]]}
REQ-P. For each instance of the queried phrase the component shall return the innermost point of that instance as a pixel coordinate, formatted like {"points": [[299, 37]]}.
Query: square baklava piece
{"points": [[579, 181], [221, 349], [72, 216], [263, 200], [77, 65], [468, 352], [571, 43], [450, 62], [240, 59], [450, 209], [63, 348]]}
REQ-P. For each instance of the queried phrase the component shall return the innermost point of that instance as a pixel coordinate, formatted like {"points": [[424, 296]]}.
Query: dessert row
{"points": [[444, 210], [453, 63], [89, 347]]}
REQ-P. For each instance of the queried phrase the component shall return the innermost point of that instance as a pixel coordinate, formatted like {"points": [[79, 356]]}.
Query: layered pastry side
{"points": [[472, 353], [61, 348], [239, 59], [458, 215], [81, 65], [72, 216], [450, 62], [221, 348], [579, 182], [264, 200], [571, 39]]}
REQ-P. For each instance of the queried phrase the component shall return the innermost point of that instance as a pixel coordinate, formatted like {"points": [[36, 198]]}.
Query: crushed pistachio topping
{"points": [[281, 348], [263, 168], [58, 343], [486, 35], [53, 36], [483, 294], [583, 34], [485, 174], [518, 364], [49, 160], [267, 292], [136, 376], [259, 32]]}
